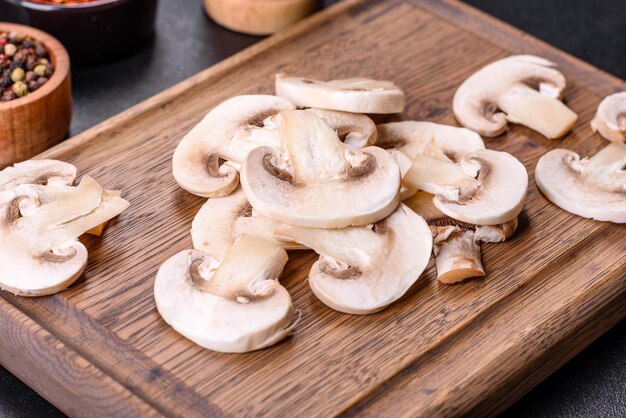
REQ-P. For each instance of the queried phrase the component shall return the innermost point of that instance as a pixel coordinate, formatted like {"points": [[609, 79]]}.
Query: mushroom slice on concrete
{"points": [[231, 305], [317, 181], [221, 220], [610, 120], [354, 129], [363, 269], [39, 252], [522, 89], [357, 95], [486, 188], [411, 138], [50, 172], [457, 244], [205, 161], [589, 187]]}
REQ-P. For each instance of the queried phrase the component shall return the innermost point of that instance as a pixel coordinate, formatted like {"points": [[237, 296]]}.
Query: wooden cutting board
{"points": [[100, 348]]}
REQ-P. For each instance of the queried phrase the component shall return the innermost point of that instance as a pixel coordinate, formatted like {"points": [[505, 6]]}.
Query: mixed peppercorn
{"points": [[24, 65]]}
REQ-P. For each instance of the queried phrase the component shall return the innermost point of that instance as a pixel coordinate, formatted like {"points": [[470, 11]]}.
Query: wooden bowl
{"points": [[259, 17], [33, 123]]}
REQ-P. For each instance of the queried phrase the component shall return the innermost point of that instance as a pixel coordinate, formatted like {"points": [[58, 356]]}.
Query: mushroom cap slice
{"points": [[592, 188], [610, 119], [354, 129], [50, 172], [457, 254], [363, 269], [357, 95], [525, 88], [39, 252], [317, 181], [221, 220], [227, 133], [412, 137], [233, 305]]}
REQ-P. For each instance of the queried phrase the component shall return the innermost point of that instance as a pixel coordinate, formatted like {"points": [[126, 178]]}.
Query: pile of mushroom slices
{"points": [[42, 216], [308, 169]]}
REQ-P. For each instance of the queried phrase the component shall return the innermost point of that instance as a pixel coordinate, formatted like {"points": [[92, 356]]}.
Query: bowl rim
{"points": [[58, 56], [44, 7]]}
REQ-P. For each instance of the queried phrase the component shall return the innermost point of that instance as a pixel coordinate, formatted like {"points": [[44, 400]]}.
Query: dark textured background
{"points": [[594, 383]]}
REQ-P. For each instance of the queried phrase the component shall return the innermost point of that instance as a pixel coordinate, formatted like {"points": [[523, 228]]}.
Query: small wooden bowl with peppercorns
{"points": [[36, 102]]}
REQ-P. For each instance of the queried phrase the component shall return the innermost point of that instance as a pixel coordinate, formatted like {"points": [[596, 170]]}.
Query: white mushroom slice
{"points": [[495, 233], [318, 181], [589, 187], [526, 89], [227, 133], [405, 164], [610, 120], [39, 252], [363, 269], [233, 305], [354, 129], [357, 95], [50, 172], [220, 220], [413, 137]]}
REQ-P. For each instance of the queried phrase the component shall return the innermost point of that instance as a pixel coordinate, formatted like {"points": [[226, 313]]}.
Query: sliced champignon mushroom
{"points": [[354, 129], [231, 305], [412, 137], [589, 187], [363, 269], [457, 244], [50, 172], [205, 161], [405, 164], [610, 120], [317, 181], [221, 220], [522, 89], [357, 95], [39, 250], [486, 188]]}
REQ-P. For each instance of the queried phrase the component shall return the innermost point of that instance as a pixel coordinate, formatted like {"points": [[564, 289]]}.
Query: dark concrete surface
{"points": [[593, 384]]}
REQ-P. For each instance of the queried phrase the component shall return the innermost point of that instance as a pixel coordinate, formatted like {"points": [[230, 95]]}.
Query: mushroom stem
{"points": [[542, 113], [458, 257]]}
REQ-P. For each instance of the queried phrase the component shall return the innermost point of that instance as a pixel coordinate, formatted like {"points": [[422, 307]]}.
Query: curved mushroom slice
{"points": [[363, 269], [610, 119], [39, 252], [50, 172], [233, 305], [589, 187], [220, 221], [405, 164], [457, 244], [486, 188], [354, 129], [526, 89], [412, 137], [357, 95], [319, 182], [206, 159]]}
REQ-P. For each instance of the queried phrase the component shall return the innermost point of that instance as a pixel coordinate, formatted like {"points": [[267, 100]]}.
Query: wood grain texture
{"points": [[31, 124], [442, 350]]}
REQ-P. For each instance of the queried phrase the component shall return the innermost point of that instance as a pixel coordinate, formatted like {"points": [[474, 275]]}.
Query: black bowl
{"points": [[94, 32]]}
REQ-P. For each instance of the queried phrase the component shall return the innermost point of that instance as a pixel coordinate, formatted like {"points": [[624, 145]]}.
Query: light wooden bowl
{"points": [[259, 17], [39, 120]]}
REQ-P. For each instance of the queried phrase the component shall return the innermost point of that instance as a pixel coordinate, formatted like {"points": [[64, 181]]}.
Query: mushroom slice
{"points": [[405, 164], [39, 252], [357, 95], [610, 120], [354, 129], [589, 187], [363, 269], [220, 221], [232, 305], [525, 88], [205, 161], [50, 172], [412, 137], [317, 181]]}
